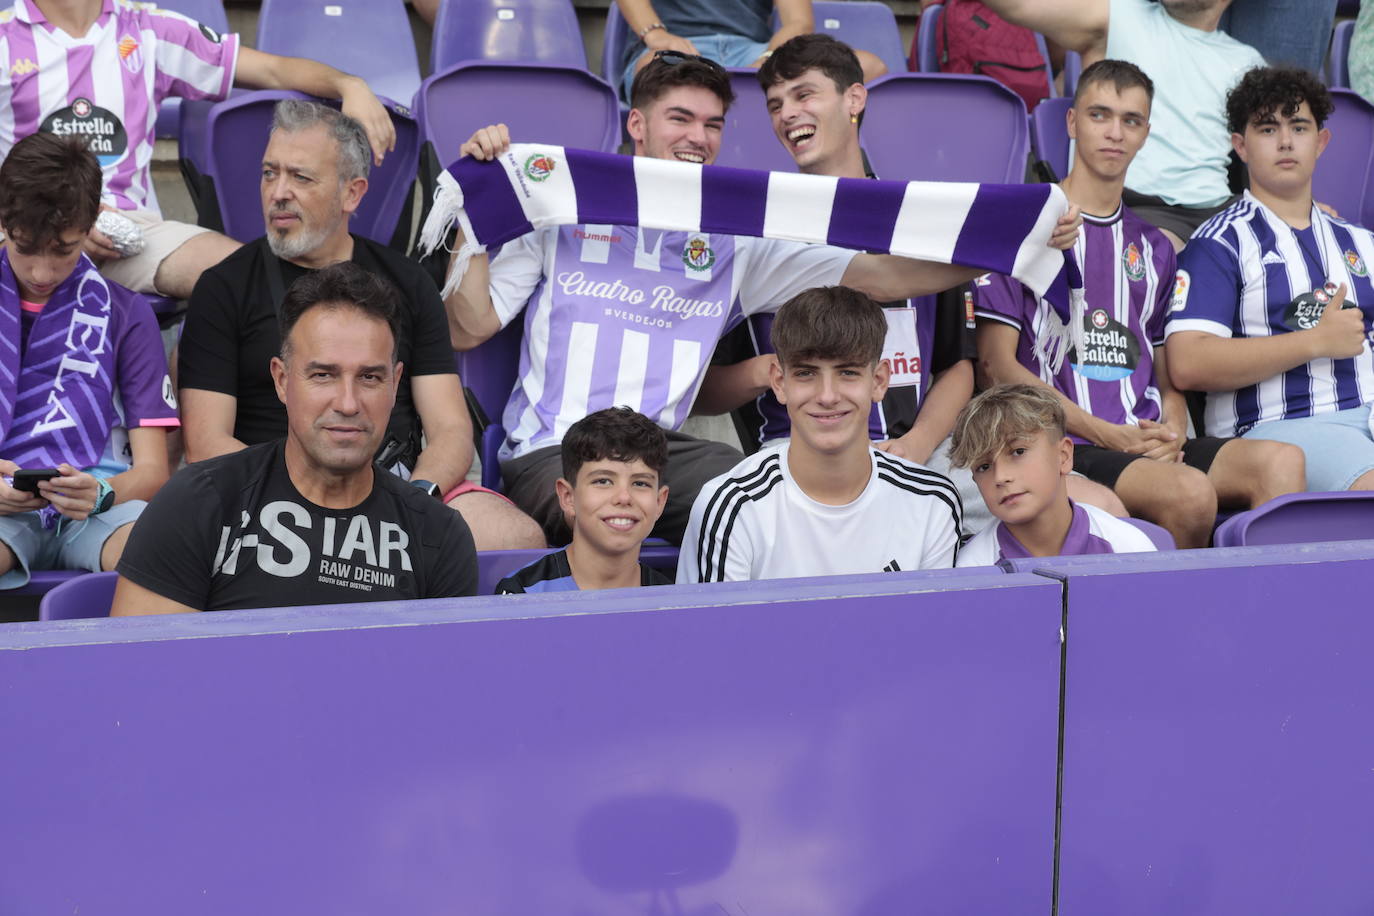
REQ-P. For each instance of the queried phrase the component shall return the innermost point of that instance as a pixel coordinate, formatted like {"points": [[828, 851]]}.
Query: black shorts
{"points": [[1105, 466], [1180, 220]]}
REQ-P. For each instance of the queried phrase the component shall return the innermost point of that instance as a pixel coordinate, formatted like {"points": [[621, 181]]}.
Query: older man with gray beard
{"points": [[314, 176]]}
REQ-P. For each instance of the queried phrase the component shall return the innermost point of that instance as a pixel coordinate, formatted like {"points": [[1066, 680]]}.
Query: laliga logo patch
{"points": [[1355, 263], [539, 167], [129, 54], [1134, 263], [1180, 300], [698, 255]]}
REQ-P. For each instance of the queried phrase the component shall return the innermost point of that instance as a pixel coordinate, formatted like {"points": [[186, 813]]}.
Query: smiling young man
{"points": [[611, 495], [620, 315], [1271, 315], [307, 520], [826, 501], [1126, 420]]}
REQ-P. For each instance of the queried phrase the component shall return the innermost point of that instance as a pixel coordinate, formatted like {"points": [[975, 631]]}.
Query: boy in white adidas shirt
{"points": [[826, 502]]}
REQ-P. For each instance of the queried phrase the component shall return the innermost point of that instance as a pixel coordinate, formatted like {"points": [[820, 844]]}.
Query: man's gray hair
{"points": [[355, 153]]}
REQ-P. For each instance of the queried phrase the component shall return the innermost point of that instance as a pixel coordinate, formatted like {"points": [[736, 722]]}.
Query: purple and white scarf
{"points": [[57, 396], [1000, 228]]}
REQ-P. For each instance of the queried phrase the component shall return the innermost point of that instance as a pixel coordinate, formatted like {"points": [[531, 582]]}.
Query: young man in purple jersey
{"points": [[1271, 316], [98, 69], [1012, 437], [84, 389], [1128, 422], [587, 347]]}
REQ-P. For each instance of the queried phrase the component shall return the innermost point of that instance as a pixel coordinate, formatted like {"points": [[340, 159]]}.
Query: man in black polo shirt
{"points": [[314, 177], [308, 519]]}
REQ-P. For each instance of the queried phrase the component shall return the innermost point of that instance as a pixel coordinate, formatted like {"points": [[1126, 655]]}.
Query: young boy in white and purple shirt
{"points": [[1127, 421], [84, 390], [1012, 437]]}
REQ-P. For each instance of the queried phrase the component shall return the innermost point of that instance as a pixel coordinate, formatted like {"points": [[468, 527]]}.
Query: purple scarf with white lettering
{"points": [[1000, 228], [57, 397]]}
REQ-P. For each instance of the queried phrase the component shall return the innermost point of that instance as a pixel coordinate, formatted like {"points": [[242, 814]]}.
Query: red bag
{"points": [[974, 39]]}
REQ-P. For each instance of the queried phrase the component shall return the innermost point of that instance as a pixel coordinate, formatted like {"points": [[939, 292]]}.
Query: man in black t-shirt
{"points": [[311, 519], [314, 177]]}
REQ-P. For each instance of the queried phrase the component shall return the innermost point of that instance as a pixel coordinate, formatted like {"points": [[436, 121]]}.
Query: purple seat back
{"points": [[1342, 177], [1050, 134], [1338, 63], [863, 24], [534, 31], [1073, 69], [748, 141], [208, 13], [928, 39], [613, 42], [368, 38], [42, 581], [236, 136], [1160, 537], [489, 371], [1298, 518], [541, 103], [945, 127], [85, 595]]}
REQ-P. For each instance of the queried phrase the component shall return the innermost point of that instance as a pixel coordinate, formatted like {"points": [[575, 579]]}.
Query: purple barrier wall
{"points": [[881, 745], [1218, 755]]}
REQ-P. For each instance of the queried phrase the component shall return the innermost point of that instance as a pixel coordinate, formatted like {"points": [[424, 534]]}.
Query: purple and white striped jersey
{"points": [[1247, 273], [1128, 273], [107, 84], [622, 315], [1091, 531]]}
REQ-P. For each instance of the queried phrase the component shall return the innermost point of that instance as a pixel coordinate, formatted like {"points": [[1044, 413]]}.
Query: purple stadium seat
{"points": [[1161, 538], [1049, 134], [489, 371], [863, 24], [236, 133], [1338, 63], [748, 141], [1300, 518], [534, 31], [945, 127], [613, 42], [208, 13], [1342, 178], [1073, 68], [539, 102], [368, 38], [42, 581], [82, 595]]}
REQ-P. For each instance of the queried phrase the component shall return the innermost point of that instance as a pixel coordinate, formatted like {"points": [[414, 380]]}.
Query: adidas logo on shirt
{"points": [[1272, 257], [892, 567]]}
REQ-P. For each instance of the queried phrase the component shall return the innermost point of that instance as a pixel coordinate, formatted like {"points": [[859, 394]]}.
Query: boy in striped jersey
{"points": [[826, 501], [1269, 311], [1127, 422]]}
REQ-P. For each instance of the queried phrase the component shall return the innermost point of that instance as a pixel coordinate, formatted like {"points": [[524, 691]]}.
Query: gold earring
{"points": [[853, 119]]}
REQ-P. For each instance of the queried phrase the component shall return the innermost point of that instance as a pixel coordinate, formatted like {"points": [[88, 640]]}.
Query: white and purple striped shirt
{"points": [[1247, 273], [1091, 531], [107, 84], [1128, 269], [623, 315]]}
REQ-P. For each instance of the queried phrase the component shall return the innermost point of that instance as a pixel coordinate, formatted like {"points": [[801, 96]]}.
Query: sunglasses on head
{"points": [[673, 58]]}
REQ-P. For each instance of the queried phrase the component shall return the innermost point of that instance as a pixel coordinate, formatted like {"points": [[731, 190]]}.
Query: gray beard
{"points": [[304, 241]]}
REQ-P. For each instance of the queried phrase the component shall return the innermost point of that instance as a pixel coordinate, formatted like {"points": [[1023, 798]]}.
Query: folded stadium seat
{"points": [[1160, 537], [209, 13], [1343, 177], [945, 127], [368, 38], [1301, 518], [614, 40], [538, 31], [489, 372], [1073, 67], [748, 141], [236, 132], [79, 595], [43, 581], [862, 24], [1050, 134], [1338, 62]]}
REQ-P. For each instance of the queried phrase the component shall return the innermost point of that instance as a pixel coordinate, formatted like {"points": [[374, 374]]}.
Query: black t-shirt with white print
{"points": [[233, 532]]}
